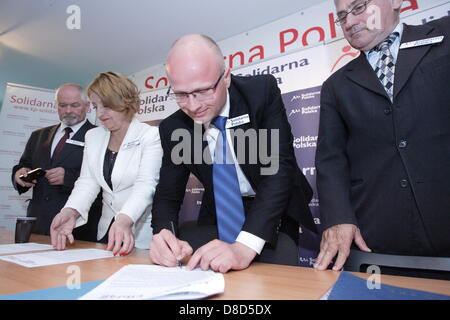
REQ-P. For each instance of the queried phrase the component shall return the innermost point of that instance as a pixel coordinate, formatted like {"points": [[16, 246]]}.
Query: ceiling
{"points": [[37, 48]]}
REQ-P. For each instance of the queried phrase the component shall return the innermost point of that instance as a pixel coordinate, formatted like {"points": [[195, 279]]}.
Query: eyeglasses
{"points": [[200, 95], [356, 10]]}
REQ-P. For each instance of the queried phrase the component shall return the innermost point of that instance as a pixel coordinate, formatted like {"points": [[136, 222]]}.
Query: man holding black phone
{"points": [[52, 160]]}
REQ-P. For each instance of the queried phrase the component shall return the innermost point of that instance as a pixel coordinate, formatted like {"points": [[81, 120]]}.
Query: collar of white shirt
{"points": [[373, 56], [224, 113], [74, 128]]}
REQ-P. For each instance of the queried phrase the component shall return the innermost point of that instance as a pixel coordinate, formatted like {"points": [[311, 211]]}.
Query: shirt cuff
{"points": [[253, 242]]}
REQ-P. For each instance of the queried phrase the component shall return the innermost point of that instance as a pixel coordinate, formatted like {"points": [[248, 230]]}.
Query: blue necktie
{"points": [[227, 194]]}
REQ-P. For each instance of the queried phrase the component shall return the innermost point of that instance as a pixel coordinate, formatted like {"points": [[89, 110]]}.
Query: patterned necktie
{"points": [[227, 194], [61, 142], [385, 68]]}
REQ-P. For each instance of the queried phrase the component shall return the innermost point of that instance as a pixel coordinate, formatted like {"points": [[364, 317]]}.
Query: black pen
{"points": [[179, 264]]}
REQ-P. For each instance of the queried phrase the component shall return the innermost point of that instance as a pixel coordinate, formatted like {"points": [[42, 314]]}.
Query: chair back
{"points": [[358, 259]]}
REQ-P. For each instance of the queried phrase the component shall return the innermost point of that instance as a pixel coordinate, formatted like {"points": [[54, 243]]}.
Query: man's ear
{"points": [[227, 77]]}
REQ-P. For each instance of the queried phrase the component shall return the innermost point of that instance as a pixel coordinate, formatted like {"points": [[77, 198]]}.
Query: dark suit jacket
{"points": [[48, 200], [278, 196], [386, 166]]}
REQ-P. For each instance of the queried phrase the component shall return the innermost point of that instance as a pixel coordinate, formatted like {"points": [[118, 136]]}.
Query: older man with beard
{"points": [[58, 150]]}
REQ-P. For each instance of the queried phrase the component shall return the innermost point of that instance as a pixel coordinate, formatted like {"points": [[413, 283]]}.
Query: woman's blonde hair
{"points": [[116, 92]]}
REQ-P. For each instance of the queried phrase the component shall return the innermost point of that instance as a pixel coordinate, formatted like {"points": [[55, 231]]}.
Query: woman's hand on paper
{"points": [[62, 226], [120, 236]]}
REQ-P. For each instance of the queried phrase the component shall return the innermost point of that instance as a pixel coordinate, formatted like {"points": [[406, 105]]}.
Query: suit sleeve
{"points": [[70, 176], [143, 189], [25, 162], [333, 177], [274, 187], [171, 188]]}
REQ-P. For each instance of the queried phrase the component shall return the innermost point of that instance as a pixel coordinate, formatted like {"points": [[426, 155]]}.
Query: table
{"points": [[260, 281]]}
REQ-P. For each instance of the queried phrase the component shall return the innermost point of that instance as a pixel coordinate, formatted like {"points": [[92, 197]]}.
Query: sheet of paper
{"points": [[23, 247], [32, 260], [139, 282]]}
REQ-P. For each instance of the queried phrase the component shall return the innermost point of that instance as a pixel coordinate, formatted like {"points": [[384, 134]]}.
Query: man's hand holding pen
{"points": [[167, 250]]}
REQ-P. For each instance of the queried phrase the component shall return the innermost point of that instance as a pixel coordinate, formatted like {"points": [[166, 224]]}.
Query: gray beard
{"points": [[70, 120]]}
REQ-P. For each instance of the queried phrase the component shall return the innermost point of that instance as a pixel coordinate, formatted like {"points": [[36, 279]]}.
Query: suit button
{"points": [[403, 183], [387, 111], [403, 144], [47, 198]]}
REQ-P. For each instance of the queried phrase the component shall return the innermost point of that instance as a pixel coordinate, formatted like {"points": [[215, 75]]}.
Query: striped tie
{"points": [[227, 194], [385, 68]]}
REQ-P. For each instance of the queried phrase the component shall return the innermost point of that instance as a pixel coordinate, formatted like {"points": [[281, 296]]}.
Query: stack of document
{"points": [[139, 282], [40, 259], [23, 247]]}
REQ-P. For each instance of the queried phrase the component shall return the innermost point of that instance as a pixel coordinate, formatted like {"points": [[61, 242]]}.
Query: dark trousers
{"points": [[285, 252]]}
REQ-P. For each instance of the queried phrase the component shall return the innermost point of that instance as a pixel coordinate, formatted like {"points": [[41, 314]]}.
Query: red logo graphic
{"points": [[346, 51]]}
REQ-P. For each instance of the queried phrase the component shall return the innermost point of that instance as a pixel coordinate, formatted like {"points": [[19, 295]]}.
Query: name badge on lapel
{"points": [[423, 42], [131, 144], [234, 122], [75, 142]]}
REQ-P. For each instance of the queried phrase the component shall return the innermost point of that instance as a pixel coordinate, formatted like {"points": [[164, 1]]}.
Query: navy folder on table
{"points": [[347, 287], [351, 287]]}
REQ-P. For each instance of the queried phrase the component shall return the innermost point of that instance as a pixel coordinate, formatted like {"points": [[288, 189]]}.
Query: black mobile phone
{"points": [[32, 175]]}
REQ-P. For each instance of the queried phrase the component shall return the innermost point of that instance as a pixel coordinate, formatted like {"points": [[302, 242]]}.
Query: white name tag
{"points": [[75, 142], [131, 144], [234, 122], [423, 42]]}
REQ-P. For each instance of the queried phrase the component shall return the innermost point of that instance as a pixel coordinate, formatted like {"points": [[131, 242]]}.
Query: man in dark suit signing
{"points": [[232, 133], [58, 150], [383, 155]]}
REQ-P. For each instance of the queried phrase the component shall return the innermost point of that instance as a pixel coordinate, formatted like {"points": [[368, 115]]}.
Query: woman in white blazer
{"points": [[123, 158]]}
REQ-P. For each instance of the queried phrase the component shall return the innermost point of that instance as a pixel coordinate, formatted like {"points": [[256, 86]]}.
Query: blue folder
{"points": [[351, 287], [57, 293], [347, 287]]}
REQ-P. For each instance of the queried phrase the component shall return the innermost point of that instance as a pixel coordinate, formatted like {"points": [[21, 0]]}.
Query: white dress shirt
{"points": [[211, 134], [60, 133], [374, 56]]}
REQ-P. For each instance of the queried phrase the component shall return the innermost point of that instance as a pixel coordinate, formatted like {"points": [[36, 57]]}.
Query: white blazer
{"points": [[134, 179]]}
